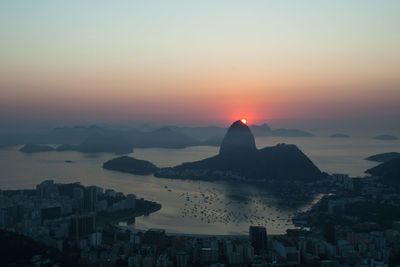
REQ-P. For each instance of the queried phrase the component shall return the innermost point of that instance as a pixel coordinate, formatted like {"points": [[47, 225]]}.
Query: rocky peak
{"points": [[238, 139]]}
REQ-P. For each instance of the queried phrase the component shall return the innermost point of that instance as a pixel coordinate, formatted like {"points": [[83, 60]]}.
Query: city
{"points": [[84, 222]]}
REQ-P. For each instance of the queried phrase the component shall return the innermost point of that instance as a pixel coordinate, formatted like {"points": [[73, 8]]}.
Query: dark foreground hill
{"points": [[19, 250], [389, 171]]}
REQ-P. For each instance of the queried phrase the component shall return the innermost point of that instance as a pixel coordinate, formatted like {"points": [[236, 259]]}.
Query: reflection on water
{"points": [[193, 206], [216, 208]]}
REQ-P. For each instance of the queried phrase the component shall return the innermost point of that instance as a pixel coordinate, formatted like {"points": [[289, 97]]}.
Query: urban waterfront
{"points": [[195, 207]]}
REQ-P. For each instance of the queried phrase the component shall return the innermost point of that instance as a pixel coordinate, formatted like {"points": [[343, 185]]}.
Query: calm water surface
{"points": [[192, 206]]}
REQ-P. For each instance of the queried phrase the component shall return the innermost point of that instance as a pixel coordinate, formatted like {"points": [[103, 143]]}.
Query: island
{"points": [[385, 137], [383, 157], [130, 165], [388, 171], [339, 135], [34, 148]]}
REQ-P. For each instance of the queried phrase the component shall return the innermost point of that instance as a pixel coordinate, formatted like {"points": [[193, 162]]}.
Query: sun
{"points": [[244, 121]]}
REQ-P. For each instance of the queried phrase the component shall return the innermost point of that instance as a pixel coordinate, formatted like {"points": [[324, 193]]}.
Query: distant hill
{"points": [[265, 130], [282, 132], [100, 143], [383, 157], [130, 165], [339, 135], [164, 137], [212, 141], [201, 133], [206, 133], [33, 148], [240, 159], [143, 137], [260, 130], [389, 171], [385, 137]]}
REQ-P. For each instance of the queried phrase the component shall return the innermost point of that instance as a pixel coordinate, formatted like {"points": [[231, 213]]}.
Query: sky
{"points": [[198, 62]]}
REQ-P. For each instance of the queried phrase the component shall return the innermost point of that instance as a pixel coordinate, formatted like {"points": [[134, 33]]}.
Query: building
{"points": [[47, 189], [258, 238], [182, 259], [130, 201], [78, 199], [155, 237], [82, 225], [50, 213], [90, 198]]}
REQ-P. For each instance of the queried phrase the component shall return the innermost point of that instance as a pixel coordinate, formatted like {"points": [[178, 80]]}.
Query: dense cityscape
{"points": [[353, 225]]}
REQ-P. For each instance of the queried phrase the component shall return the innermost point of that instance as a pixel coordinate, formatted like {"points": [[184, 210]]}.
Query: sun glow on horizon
{"points": [[244, 121]]}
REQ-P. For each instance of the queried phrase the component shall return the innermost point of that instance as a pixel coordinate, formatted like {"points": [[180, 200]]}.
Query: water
{"points": [[192, 206]]}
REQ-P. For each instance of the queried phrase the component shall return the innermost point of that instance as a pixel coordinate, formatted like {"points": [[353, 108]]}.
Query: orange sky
{"points": [[198, 63]]}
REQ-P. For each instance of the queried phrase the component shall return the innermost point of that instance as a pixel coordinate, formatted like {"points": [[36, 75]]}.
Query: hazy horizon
{"points": [[206, 63]]}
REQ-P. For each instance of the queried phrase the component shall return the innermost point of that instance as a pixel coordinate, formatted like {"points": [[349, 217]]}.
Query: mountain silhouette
{"points": [[240, 159], [33, 148], [164, 137], [261, 130], [238, 139], [98, 143]]}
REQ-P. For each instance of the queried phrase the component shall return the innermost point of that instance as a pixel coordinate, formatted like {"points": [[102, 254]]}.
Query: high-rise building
{"points": [[182, 259], [258, 238], [82, 225], [47, 189], [396, 225], [78, 196], [155, 237], [50, 213], [90, 198], [130, 201], [329, 232], [2, 199], [208, 256]]}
